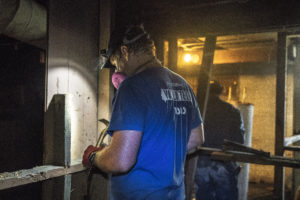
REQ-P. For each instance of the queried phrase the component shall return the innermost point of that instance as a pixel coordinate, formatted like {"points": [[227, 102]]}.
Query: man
{"points": [[155, 120], [218, 179]]}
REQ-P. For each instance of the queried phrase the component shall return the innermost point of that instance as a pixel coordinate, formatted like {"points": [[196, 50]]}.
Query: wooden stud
{"points": [[202, 96], [173, 48], [57, 146], [37, 174], [280, 113]]}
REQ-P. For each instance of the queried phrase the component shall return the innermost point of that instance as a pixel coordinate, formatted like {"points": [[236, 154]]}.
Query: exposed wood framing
{"points": [[218, 154], [97, 185], [292, 148], [280, 113], [57, 146], [202, 91], [36, 174], [173, 49], [205, 73], [41, 173], [295, 40]]}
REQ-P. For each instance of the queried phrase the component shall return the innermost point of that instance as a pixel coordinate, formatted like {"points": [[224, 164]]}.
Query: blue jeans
{"points": [[216, 181]]}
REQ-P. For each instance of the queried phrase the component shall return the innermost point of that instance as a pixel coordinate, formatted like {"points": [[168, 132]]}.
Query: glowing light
{"points": [[187, 57], [229, 94], [195, 58]]}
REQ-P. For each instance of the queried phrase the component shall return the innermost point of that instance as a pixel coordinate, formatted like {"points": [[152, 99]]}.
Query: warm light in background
{"points": [[187, 57], [195, 58], [191, 58]]}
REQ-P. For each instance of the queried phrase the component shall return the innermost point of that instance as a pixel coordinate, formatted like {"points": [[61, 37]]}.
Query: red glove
{"points": [[88, 156]]}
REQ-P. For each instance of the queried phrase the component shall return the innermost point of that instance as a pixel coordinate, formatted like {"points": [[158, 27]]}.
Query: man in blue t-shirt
{"points": [[155, 120]]}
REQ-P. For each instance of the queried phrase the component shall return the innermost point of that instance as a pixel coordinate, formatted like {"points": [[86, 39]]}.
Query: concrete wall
{"points": [[260, 87], [72, 66]]}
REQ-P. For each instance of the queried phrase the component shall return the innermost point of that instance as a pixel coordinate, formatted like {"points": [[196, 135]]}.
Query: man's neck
{"points": [[146, 62]]}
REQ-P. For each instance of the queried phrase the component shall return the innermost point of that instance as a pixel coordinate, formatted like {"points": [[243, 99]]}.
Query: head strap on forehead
{"points": [[126, 41]]}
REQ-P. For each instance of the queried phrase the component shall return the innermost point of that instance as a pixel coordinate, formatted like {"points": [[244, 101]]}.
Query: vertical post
{"points": [[296, 72], [57, 146], [205, 72], [72, 57], [98, 182], [173, 53], [280, 113], [202, 96], [159, 44], [105, 88]]}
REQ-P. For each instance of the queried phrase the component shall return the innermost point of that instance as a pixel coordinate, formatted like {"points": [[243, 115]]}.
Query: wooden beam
{"points": [[292, 148], [280, 113], [218, 154], [295, 40], [36, 174], [173, 49], [57, 146], [97, 184], [202, 97], [205, 73]]}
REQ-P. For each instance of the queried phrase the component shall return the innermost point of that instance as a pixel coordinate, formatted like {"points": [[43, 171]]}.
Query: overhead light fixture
{"points": [[187, 57]]}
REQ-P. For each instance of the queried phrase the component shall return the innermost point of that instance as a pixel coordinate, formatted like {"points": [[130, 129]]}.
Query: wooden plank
{"points": [[295, 40], [205, 73], [97, 184], [292, 148], [202, 97], [234, 146], [57, 146], [280, 113], [173, 51], [218, 154], [291, 140], [36, 174], [57, 135]]}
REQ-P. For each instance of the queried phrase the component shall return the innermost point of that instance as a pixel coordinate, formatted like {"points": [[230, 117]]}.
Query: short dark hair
{"points": [[137, 39], [215, 88], [134, 37]]}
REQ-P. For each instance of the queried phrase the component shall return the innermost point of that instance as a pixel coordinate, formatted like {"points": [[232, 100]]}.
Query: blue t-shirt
{"points": [[161, 105]]}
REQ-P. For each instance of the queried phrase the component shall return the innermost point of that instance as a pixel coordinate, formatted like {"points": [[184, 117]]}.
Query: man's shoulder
{"points": [[229, 107]]}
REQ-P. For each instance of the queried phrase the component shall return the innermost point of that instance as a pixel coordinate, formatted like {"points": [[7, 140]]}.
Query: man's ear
{"points": [[124, 52]]}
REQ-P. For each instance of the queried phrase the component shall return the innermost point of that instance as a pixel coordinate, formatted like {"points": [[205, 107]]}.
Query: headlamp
{"points": [[104, 60]]}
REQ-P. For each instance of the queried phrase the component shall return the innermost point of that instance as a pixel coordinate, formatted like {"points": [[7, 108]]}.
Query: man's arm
{"points": [[196, 137], [120, 156]]}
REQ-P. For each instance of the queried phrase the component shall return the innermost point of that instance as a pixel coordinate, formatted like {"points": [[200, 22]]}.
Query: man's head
{"points": [[215, 88], [125, 45]]}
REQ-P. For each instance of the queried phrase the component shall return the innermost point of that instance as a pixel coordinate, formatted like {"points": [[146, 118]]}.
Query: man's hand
{"points": [[89, 154]]}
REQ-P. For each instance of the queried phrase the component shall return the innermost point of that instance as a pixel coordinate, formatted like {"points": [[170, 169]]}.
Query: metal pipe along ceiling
{"points": [[25, 20]]}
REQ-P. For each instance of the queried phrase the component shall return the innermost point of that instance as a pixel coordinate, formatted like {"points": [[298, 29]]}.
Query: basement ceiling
{"points": [[230, 42]]}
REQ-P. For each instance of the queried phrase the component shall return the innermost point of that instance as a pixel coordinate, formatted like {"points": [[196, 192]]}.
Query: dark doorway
{"points": [[22, 94]]}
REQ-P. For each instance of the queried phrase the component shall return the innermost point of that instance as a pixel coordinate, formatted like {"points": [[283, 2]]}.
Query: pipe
{"points": [[25, 20], [247, 111]]}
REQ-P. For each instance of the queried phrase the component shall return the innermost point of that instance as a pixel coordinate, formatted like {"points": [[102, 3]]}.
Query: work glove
{"points": [[89, 155]]}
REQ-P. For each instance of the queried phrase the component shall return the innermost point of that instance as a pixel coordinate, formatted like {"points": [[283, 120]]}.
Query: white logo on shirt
{"points": [[175, 95], [180, 110]]}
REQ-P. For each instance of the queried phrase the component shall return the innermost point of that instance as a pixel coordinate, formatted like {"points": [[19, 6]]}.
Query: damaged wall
{"points": [[72, 69]]}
